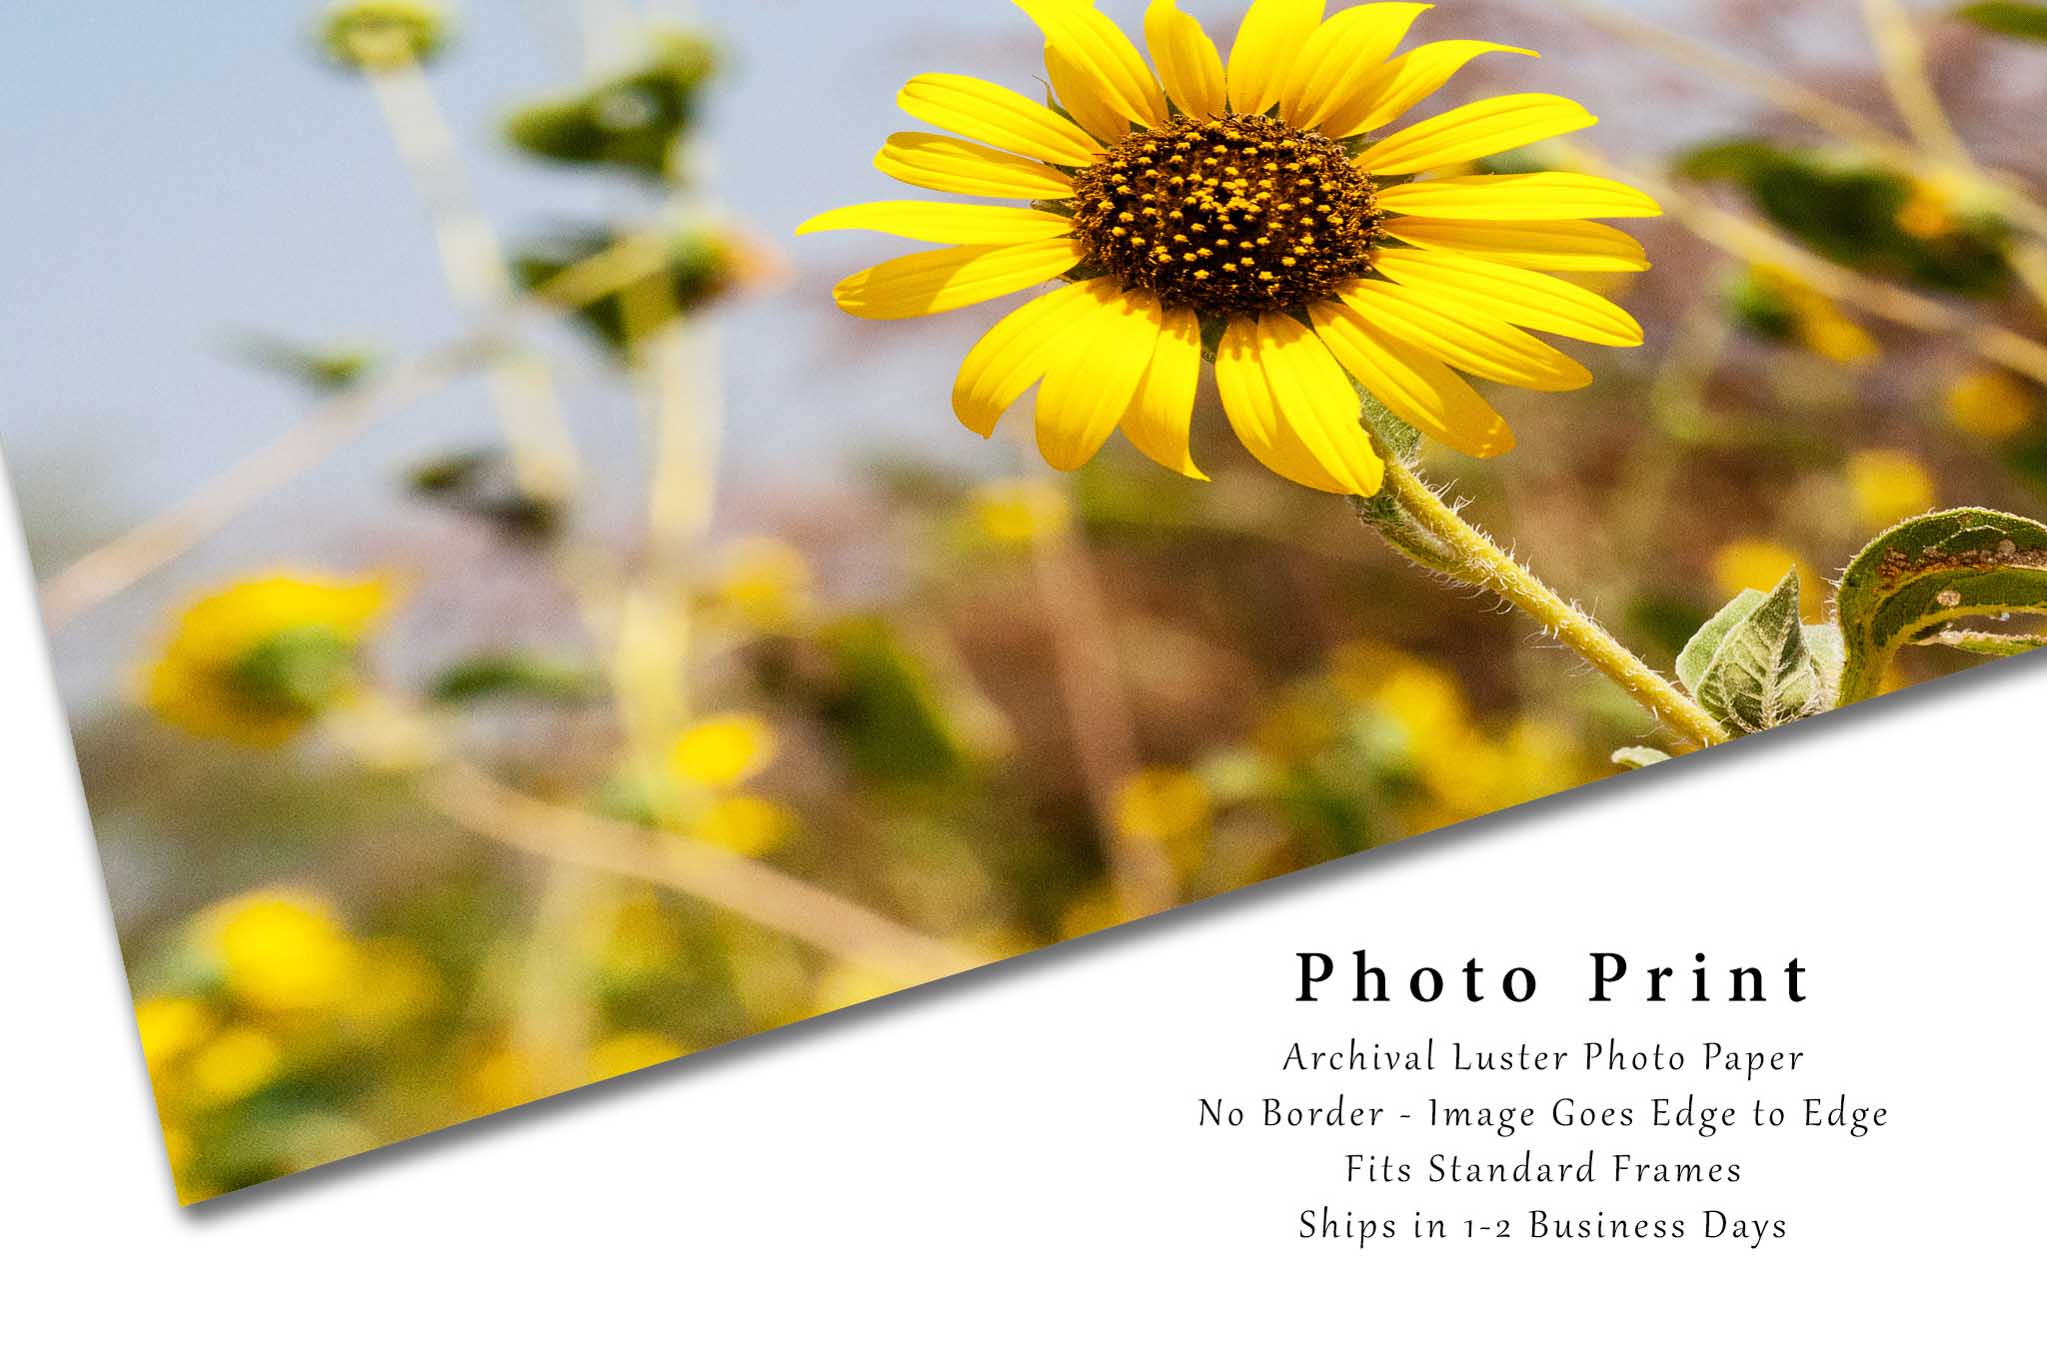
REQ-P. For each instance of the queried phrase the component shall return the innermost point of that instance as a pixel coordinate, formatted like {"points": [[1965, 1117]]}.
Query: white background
{"points": [[1009, 1166]]}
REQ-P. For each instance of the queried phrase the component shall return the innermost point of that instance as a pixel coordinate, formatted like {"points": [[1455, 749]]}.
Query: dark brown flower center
{"points": [[1232, 215]]}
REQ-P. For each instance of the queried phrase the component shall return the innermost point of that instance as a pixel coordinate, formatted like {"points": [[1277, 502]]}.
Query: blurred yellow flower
{"points": [[281, 950], [1427, 701], [747, 825], [1163, 804], [1021, 511], [507, 1077], [255, 661], [171, 1026], [766, 583], [1929, 213], [723, 751], [1482, 775], [849, 984], [1889, 486], [634, 939], [395, 984], [1761, 564], [627, 1052], [1091, 912], [1990, 404], [1294, 728], [1817, 322], [235, 1065]]}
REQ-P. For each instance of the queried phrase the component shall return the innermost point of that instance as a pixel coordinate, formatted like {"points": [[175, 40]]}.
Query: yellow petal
{"points": [[1099, 51], [1162, 409], [1082, 99], [1475, 130], [1586, 248], [1313, 397], [1403, 83], [956, 224], [1014, 355], [1254, 415], [1467, 338], [981, 109], [939, 281], [1187, 59], [950, 166], [1416, 387], [1341, 55], [1095, 373], [1538, 197], [1267, 42], [1511, 294]]}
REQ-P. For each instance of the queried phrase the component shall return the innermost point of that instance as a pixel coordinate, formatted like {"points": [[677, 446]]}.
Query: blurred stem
{"points": [[473, 259], [1419, 524], [1757, 245], [104, 573], [1087, 664], [678, 375], [1903, 55], [1904, 66], [755, 891], [2010, 196]]}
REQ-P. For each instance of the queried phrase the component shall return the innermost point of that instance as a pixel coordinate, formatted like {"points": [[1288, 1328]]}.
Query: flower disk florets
{"points": [[1232, 215]]}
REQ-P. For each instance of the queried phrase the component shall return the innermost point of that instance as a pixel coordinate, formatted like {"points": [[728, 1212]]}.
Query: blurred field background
{"points": [[928, 705]]}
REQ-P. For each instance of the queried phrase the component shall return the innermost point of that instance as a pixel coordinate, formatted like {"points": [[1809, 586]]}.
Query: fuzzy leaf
{"points": [[1760, 672], [1697, 656], [2012, 19], [1638, 758], [1942, 567]]}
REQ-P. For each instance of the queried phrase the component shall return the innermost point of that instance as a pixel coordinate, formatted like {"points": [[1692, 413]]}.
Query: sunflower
{"points": [[1255, 215]]}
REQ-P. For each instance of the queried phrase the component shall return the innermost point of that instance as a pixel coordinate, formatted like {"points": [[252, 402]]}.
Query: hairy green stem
{"points": [[1414, 520]]}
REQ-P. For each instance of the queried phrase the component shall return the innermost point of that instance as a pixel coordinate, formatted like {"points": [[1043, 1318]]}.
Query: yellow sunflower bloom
{"points": [[1256, 215], [255, 661]]}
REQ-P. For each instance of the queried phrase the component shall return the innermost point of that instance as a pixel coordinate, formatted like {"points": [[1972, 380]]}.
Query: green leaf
{"points": [[1638, 758], [1848, 210], [1753, 667], [526, 677], [701, 266], [888, 708], [1931, 570], [2009, 18], [1697, 656], [1829, 649], [632, 122], [481, 482], [327, 369]]}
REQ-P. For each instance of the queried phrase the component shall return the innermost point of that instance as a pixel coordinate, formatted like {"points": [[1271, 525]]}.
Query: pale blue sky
{"points": [[179, 174]]}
